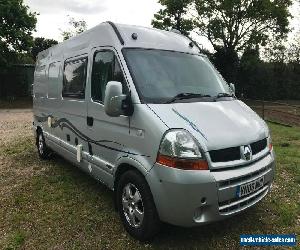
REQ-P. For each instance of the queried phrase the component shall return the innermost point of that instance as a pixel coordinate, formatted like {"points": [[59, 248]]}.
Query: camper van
{"points": [[145, 113]]}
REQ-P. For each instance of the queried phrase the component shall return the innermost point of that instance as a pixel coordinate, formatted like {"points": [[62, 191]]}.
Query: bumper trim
{"points": [[244, 178], [246, 200]]}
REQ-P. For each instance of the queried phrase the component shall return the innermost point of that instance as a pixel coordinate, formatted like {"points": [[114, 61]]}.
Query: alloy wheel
{"points": [[133, 207]]}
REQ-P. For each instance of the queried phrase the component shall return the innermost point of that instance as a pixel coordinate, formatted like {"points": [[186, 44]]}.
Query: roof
{"points": [[120, 36], [155, 38]]}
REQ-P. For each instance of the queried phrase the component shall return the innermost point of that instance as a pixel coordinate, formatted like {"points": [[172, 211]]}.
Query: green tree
{"points": [[76, 27], [227, 62], [233, 26], [16, 26], [275, 51], [174, 16], [40, 44], [251, 75], [239, 24], [294, 50]]}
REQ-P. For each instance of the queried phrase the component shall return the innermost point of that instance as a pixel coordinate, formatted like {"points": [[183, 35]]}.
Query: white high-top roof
{"points": [[105, 35]]}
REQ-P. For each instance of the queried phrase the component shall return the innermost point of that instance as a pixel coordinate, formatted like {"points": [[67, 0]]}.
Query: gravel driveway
{"points": [[14, 123], [15, 126]]}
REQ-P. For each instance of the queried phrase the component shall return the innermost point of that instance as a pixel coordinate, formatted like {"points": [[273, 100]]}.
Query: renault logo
{"points": [[246, 153]]}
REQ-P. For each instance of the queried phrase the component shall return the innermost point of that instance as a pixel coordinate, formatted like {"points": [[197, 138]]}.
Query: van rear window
{"points": [[54, 80], [75, 78]]}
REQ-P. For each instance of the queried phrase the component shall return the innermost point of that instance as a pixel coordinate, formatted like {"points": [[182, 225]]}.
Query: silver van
{"points": [[145, 113]]}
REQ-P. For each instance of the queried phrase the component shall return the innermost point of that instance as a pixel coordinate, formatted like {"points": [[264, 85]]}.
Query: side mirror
{"points": [[232, 87], [114, 98]]}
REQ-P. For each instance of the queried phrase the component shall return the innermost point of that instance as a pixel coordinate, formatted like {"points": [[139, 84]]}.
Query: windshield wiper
{"points": [[220, 95], [182, 96]]}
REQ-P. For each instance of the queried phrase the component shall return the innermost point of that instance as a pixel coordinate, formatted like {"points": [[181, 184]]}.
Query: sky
{"points": [[53, 14]]}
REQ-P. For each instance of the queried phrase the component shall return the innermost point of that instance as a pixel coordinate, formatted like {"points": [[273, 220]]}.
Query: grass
{"points": [[52, 204]]}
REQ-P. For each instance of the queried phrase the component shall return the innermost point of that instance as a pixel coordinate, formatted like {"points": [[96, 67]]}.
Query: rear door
{"points": [[108, 136]]}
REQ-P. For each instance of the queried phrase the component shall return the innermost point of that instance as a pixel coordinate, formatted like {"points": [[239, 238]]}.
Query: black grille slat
{"points": [[258, 146], [226, 154], [233, 153]]}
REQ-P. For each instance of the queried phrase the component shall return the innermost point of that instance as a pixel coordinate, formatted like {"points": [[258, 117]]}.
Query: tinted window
{"points": [[75, 78], [118, 74], [40, 87], [105, 68], [54, 80], [160, 75]]}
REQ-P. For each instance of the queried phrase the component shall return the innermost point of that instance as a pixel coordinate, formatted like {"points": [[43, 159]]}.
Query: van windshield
{"points": [[160, 75]]}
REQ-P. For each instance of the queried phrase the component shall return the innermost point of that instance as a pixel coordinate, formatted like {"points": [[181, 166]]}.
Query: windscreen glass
{"points": [[160, 75]]}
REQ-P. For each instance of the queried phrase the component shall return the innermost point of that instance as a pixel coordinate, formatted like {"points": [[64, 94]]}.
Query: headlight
{"points": [[178, 149], [270, 145]]}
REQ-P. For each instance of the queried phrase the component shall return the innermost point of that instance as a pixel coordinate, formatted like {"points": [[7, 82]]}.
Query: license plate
{"points": [[249, 187]]}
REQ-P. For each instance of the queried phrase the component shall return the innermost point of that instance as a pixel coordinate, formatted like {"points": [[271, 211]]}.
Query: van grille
{"points": [[238, 204], [245, 178], [226, 154], [234, 153], [258, 146]]}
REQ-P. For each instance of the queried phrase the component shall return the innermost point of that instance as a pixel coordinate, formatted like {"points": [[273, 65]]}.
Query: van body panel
{"points": [[133, 162], [67, 151], [191, 198], [178, 193], [146, 131], [216, 125], [182, 197]]}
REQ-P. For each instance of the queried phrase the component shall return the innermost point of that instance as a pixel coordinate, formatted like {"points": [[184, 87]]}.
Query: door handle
{"points": [[90, 121]]}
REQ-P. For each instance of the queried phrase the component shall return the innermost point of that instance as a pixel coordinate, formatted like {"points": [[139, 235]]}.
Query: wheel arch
{"points": [[125, 164], [39, 129]]}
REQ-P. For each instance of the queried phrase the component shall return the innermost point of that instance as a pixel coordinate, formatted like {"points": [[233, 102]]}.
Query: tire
{"points": [[43, 151], [136, 206]]}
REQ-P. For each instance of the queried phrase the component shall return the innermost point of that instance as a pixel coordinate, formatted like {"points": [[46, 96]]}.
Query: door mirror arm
{"points": [[127, 105]]}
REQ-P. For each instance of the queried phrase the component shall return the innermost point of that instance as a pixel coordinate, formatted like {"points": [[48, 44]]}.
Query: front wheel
{"points": [[43, 151], [136, 206]]}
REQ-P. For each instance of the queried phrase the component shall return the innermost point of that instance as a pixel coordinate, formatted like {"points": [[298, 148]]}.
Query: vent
{"points": [[225, 155], [258, 146]]}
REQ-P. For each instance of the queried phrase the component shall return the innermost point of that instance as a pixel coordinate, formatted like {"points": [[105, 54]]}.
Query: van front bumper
{"points": [[191, 198]]}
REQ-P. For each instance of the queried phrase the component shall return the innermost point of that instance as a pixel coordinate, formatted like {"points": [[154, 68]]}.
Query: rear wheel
{"points": [[43, 151], [136, 206]]}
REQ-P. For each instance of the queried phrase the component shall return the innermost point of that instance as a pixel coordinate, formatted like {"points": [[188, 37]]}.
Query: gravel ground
{"points": [[15, 123]]}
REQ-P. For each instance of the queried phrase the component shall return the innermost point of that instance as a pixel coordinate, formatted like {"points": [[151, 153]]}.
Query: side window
{"points": [[118, 74], [105, 68], [75, 78], [54, 80], [40, 81]]}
